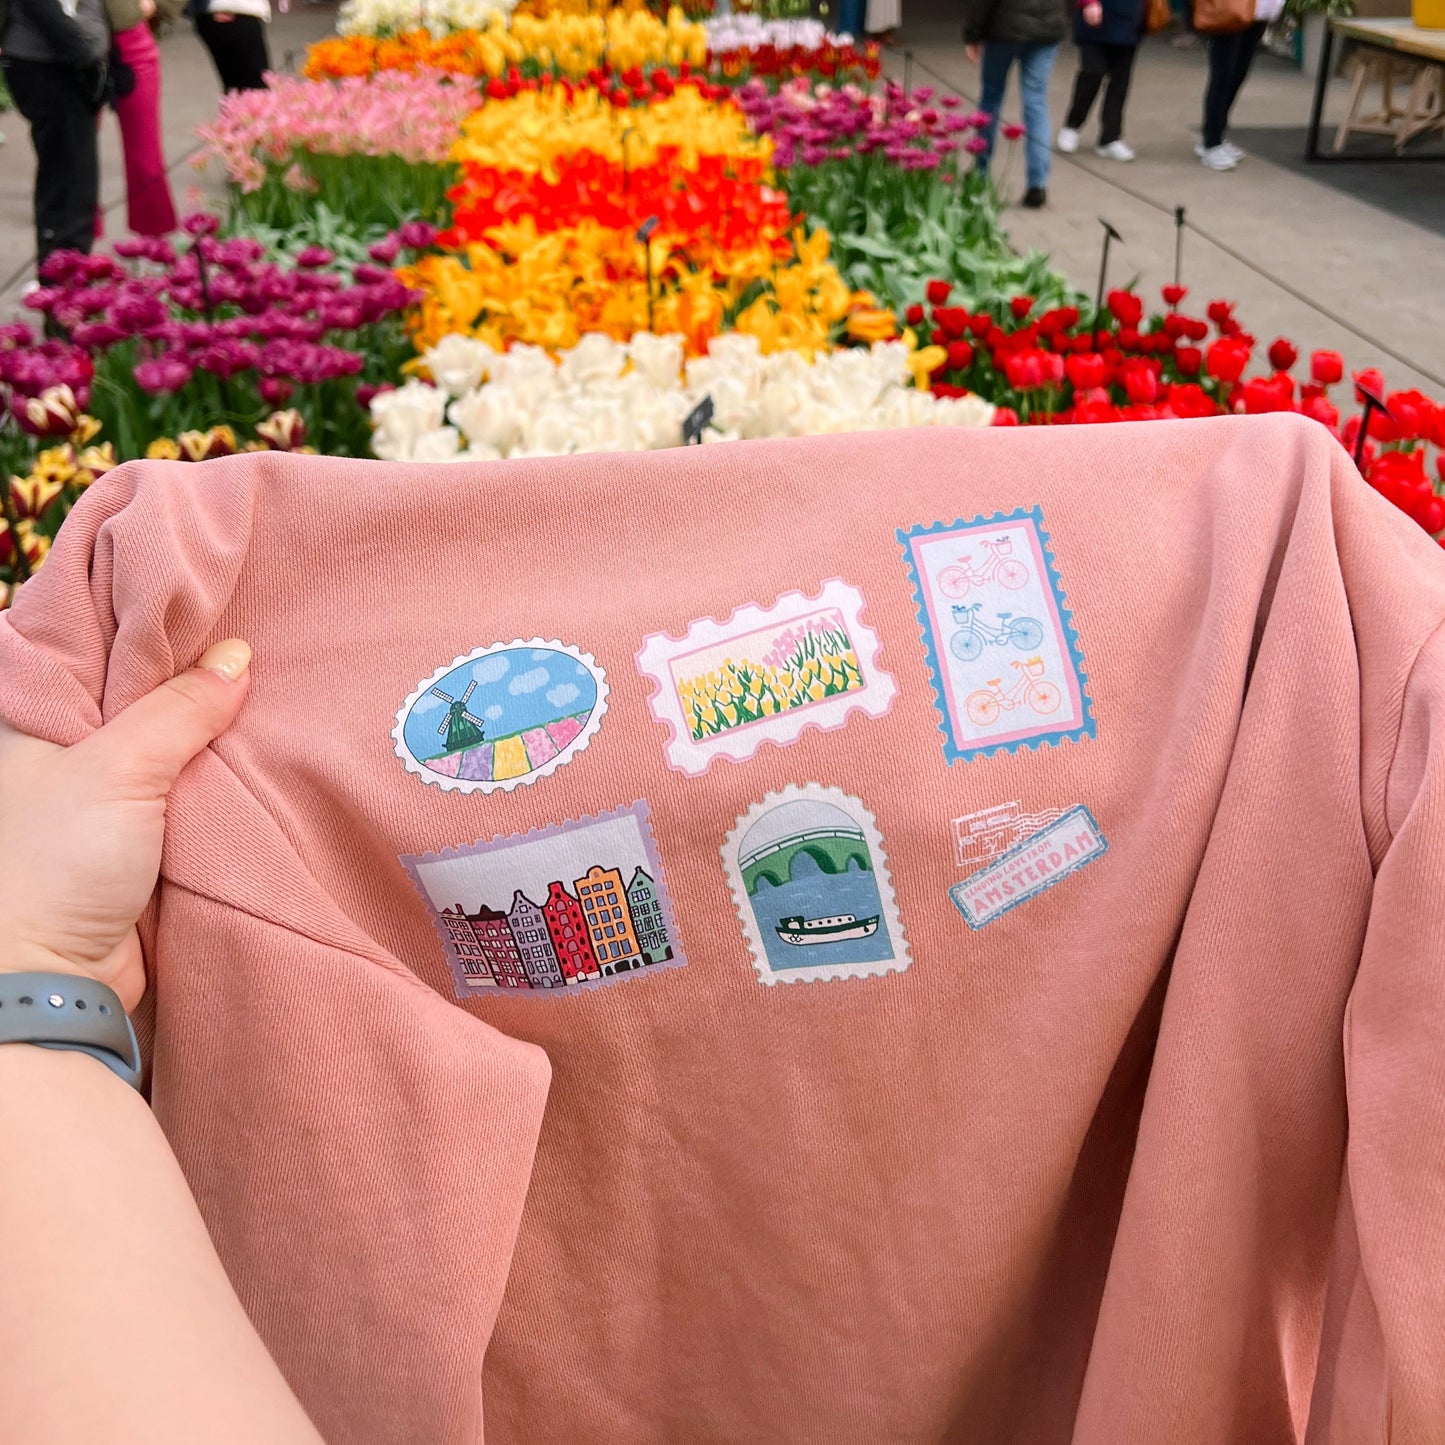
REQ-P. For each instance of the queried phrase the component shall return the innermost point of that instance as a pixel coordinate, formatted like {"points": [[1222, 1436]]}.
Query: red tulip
{"points": [[1327, 367], [960, 355], [1085, 371], [1188, 359], [1126, 307], [1282, 354], [1021, 306], [1372, 378], [1141, 382], [952, 320], [1226, 359], [1173, 295], [1221, 313], [937, 292], [1005, 416], [1322, 410], [914, 315]]}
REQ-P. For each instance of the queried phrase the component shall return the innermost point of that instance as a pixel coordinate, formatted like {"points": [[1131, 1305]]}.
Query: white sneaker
{"points": [[1116, 150], [1227, 146], [1216, 158], [1068, 140]]}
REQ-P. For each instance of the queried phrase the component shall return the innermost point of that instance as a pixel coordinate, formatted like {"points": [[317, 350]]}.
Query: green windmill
{"points": [[461, 728]]}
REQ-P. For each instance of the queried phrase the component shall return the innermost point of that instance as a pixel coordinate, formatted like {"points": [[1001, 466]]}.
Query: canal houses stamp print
{"points": [[811, 886], [1003, 655], [764, 675], [557, 910], [1059, 848], [506, 714]]}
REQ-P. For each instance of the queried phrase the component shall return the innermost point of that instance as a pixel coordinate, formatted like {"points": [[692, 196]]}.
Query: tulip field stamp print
{"points": [[502, 715], [557, 910], [1029, 867], [765, 675], [811, 887], [1006, 665]]}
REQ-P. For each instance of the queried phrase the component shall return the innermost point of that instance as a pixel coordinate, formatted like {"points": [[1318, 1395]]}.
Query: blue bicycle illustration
{"points": [[967, 643]]}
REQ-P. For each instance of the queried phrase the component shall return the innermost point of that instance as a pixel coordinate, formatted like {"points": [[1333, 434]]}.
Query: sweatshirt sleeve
{"points": [[1382, 1365]]}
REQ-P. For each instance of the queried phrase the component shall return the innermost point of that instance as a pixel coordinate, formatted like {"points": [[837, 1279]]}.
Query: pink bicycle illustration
{"points": [[1029, 690], [1001, 567]]}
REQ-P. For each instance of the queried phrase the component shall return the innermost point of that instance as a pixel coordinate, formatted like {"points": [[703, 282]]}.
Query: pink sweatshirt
{"points": [[975, 896]]}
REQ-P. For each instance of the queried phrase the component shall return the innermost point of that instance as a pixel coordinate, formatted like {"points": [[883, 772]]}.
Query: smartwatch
{"points": [[69, 1011]]}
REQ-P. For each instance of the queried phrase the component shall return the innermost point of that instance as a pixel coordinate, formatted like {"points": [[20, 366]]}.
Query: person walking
{"points": [[1231, 53], [150, 207], [1107, 33], [54, 56], [999, 34], [234, 31]]}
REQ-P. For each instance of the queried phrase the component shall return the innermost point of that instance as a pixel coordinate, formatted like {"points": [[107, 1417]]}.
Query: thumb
{"points": [[141, 751]]}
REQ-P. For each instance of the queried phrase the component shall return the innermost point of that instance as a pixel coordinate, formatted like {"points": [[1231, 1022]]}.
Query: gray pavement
{"points": [[1301, 258]]}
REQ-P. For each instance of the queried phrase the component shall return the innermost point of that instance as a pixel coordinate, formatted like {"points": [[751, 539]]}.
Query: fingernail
{"points": [[230, 658]]}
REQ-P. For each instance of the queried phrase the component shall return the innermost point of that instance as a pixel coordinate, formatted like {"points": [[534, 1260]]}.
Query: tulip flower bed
{"points": [[570, 45], [551, 244], [607, 395], [745, 47], [219, 333], [377, 148]]}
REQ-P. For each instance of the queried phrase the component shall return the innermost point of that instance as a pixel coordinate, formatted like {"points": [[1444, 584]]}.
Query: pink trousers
{"points": [[150, 210]]}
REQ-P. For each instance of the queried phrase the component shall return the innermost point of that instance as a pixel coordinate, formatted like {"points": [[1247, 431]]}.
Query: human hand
{"points": [[81, 827], [147, 9], [1093, 14], [973, 52]]}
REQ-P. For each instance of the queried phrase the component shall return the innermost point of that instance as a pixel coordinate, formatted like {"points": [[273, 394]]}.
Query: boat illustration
{"points": [[826, 930]]}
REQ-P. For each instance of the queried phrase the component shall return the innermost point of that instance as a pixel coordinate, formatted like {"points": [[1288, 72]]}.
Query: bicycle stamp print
{"points": [[764, 675], [1028, 868], [810, 883], [1003, 655]]}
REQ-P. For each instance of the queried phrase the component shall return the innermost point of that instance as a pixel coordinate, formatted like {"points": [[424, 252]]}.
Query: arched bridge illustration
{"points": [[832, 849]]}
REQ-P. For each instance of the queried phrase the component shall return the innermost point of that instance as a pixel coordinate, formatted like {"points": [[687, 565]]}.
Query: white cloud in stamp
{"points": [[494, 712], [529, 681], [563, 693], [489, 669]]}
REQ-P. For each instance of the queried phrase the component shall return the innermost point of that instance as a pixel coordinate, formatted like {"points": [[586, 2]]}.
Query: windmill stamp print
{"points": [[765, 675], [811, 886], [1003, 654], [1024, 871], [502, 715], [557, 910]]}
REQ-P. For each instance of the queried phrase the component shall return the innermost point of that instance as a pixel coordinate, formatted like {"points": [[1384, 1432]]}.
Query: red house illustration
{"points": [[567, 927]]}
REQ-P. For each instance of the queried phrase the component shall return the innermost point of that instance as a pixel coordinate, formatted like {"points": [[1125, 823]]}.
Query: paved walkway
{"points": [[1302, 259]]}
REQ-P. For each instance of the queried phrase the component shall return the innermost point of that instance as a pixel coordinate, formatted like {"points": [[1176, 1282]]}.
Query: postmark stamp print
{"points": [[561, 909], [979, 836], [501, 716], [810, 882], [1025, 870], [765, 675], [1003, 654]]}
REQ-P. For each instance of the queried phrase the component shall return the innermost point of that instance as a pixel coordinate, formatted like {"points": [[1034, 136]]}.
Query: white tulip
{"points": [[403, 416], [657, 358], [442, 445], [458, 363], [491, 416]]}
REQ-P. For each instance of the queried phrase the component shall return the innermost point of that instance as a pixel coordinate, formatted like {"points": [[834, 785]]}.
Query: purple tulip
{"points": [[417, 235], [162, 374], [201, 223], [312, 257], [386, 250]]}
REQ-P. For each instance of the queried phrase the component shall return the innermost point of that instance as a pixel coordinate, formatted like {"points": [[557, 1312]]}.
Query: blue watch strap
{"points": [[69, 1011]]}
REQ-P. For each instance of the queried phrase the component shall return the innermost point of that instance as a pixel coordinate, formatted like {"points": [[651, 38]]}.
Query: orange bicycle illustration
{"points": [[985, 705], [1001, 567]]}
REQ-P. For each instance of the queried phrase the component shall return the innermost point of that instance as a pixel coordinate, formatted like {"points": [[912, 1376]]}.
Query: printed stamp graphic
{"points": [[1025, 870], [502, 715], [574, 906], [985, 834], [811, 886], [765, 674], [1006, 665]]}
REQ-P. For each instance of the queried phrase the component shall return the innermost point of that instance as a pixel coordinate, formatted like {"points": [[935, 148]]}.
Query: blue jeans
{"points": [[850, 18], [1036, 63]]}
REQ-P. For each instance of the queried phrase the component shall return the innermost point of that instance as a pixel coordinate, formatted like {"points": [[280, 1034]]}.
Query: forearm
{"points": [[117, 1321]]}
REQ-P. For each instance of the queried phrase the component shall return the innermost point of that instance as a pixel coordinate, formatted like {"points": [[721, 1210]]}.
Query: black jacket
{"points": [[1021, 22], [74, 34]]}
